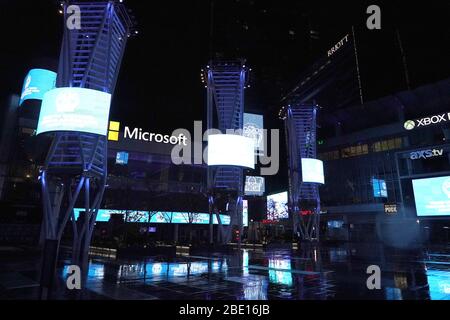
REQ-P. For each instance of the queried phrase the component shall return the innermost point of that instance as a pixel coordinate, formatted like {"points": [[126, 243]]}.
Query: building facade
{"points": [[371, 156]]}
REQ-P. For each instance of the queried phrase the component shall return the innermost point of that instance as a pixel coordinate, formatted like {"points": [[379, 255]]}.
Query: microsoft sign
{"points": [[141, 135], [427, 121]]}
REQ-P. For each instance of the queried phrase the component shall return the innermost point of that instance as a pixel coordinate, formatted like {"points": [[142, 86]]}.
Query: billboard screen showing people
{"points": [[277, 206]]}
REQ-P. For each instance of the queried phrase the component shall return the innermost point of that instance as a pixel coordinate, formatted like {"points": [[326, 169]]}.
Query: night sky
{"points": [[159, 85]]}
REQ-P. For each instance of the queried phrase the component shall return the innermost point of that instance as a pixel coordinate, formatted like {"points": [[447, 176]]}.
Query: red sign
{"points": [[269, 221]]}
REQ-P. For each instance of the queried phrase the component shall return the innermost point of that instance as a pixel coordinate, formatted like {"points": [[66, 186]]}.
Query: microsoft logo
{"points": [[113, 132], [139, 134]]}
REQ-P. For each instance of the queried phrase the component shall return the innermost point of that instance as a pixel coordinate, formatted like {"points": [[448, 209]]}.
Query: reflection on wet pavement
{"points": [[318, 273]]}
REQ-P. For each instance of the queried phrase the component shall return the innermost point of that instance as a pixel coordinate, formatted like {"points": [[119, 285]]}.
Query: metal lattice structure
{"points": [[225, 82], [75, 169], [300, 123]]}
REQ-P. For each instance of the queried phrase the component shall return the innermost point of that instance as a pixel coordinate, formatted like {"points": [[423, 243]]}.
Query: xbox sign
{"points": [[427, 121], [409, 125]]}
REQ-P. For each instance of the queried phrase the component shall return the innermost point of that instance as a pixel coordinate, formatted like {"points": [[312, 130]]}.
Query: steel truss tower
{"points": [[75, 168], [304, 200], [225, 82]]}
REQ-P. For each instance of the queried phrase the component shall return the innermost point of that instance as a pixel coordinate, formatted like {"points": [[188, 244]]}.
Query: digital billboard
{"points": [[122, 157], [75, 109], [277, 206], [245, 213], [231, 150], [102, 215], [438, 284], [379, 188], [162, 216], [36, 84], [312, 170], [254, 186], [335, 224], [432, 196], [254, 128]]}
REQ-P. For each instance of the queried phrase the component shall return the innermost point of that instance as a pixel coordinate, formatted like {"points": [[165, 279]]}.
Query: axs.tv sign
{"points": [[427, 121]]}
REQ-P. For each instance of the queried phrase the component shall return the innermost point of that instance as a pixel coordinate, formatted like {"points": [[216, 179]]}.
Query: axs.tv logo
{"points": [[425, 154]]}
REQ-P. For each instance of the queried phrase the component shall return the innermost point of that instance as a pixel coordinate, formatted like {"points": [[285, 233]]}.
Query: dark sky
{"points": [[159, 85], [160, 75]]}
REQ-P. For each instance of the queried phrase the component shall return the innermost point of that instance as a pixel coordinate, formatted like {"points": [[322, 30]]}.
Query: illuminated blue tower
{"points": [[75, 168], [225, 83], [304, 201]]}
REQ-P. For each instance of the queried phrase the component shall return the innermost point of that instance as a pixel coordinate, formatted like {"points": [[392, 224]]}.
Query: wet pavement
{"points": [[318, 273]]}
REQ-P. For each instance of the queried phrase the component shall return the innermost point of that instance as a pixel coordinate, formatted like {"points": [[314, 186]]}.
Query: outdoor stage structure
{"points": [[300, 122], [75, 168], [225, 82]]}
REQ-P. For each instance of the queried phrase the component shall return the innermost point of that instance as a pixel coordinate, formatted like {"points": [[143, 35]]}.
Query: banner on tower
{"points": [[36, 84], [75, 109]]}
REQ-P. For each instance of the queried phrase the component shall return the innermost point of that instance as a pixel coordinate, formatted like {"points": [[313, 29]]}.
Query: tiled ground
{"points": [[337, 272]]}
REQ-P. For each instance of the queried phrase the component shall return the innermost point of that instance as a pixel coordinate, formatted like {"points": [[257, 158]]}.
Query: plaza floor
{"points": [[317, 273]]}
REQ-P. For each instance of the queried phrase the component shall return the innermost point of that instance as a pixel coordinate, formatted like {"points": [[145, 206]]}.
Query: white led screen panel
{"points": [[231, 150]]}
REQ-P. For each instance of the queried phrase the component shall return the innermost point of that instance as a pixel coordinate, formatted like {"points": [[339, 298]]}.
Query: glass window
{"points": [[391, 144], [331, 155], [385, 145], [354, 151], [365, 149]]}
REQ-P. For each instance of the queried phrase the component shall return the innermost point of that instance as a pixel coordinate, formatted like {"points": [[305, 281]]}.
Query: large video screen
{"points": [[122, 157], [37, 83], [254, 186], [231, 150], [277, 206], [379, 188], [312, 171], [432, 196], [245, 213], [438, 284], [75, 109], [254, 128], [163, 216]]}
